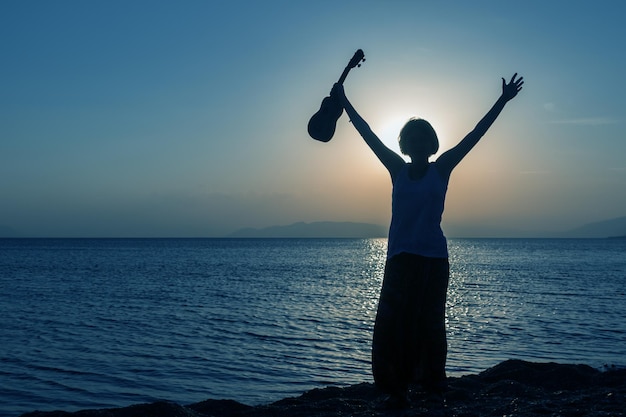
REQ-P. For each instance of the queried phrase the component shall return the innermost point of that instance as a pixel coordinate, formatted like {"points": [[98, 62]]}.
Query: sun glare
{"points": [[389, 129]]}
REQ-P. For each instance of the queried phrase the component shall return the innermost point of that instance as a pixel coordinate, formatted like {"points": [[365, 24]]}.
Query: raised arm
{"points": [[391, 160], [451, 158]]}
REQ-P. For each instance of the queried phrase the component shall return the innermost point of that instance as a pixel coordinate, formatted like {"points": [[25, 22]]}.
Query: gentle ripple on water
{"points": [[550, 300], [104, 323]]}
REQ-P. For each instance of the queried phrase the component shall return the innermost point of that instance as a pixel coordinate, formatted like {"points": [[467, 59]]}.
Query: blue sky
{"points": [[150, 118]]}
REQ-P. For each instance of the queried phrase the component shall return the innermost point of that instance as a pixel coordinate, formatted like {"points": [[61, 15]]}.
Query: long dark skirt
{"points": [[409, 343]]}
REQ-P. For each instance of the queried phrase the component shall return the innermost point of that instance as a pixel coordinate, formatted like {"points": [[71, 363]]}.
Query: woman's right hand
{"points": [[338, 92]]}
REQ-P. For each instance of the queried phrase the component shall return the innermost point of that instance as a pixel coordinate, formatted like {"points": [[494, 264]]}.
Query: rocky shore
{"points": [[511, 388]]}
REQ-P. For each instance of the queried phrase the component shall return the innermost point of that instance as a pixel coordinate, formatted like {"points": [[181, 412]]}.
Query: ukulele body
{"points": [[322, 124]]}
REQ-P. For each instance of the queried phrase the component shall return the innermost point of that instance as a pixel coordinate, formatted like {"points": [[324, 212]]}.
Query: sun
{"points": [[389, 128]]}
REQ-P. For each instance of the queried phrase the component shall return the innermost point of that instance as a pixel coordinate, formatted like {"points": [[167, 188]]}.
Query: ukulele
{"points": [[323, 123]]}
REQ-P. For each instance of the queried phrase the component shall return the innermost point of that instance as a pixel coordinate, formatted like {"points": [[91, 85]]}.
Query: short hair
{"points": [[418, 129]]}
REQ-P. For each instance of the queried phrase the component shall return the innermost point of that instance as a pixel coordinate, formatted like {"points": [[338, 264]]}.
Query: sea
{"points": [[103, 323]]}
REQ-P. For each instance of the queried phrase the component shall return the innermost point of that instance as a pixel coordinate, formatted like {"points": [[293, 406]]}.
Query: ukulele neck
{"points": [[344, 74]]}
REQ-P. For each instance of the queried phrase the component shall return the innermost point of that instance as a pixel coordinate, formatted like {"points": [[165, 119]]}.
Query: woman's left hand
{"points": [[510, 89]]}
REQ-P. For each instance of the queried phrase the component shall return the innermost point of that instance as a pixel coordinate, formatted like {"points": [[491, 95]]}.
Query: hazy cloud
{"points": [[536, 172], [550, 107], [586, 121]]}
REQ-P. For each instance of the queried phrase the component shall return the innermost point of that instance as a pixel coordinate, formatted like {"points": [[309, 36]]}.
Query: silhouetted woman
{"points": [[409, 343]]}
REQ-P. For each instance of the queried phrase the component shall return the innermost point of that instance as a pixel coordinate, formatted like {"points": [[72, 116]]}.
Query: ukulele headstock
{"points": [[357, 59]]}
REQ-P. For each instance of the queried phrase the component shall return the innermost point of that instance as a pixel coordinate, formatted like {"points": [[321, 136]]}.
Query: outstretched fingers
{"points": [[513, 87], [519, 83]]}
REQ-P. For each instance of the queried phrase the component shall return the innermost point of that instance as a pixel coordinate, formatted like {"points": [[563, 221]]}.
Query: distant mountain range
{"points": [[604, 229], [607, 228], [6, 231], [613, 228], [317, 230]]}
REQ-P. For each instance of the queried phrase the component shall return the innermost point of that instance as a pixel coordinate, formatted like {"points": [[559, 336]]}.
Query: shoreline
{"points": [[512, 388]]}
